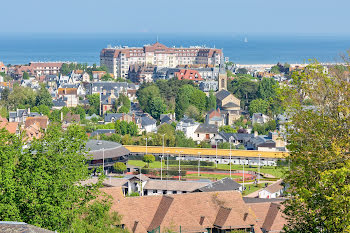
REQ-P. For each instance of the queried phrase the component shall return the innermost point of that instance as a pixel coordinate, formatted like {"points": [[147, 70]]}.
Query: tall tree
{"points": [[211, 101], [157, 107], [258, 106], [245, 89], [319, 175], [43, 97], [94, 102]]}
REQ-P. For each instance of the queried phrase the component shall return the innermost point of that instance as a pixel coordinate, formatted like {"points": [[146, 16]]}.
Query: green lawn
{"points": [[253, 188], [275, 171], [210, 176]]}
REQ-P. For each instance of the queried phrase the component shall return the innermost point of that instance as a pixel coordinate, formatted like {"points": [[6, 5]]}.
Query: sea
{"points": [[23, 48]]}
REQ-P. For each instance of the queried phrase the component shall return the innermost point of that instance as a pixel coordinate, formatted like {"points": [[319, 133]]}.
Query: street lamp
{"points": [[199, 163], [167, 163], [103, 160], [146, 143], [216, 157], [161, 161], [179, 164], [230, 155], [243, 172], [259, 170]]}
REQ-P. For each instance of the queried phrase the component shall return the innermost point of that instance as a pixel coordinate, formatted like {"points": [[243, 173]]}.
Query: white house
{"points": [[259, 118], [188, 126], [273, 191], [205, 132]]}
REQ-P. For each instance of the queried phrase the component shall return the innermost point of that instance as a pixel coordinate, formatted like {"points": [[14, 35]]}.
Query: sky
{"points": [[177, 16]]}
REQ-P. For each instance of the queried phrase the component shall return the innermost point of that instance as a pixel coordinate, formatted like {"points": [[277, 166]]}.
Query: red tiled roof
{"points": [[41, 121], [10, 126], [188, 75]]}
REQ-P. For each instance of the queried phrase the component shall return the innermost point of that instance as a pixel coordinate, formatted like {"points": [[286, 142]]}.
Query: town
{"points": [[189, 139]]}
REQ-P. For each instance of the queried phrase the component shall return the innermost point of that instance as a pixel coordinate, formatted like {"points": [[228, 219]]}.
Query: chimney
{"points": [[201, 220], [256, 133]]}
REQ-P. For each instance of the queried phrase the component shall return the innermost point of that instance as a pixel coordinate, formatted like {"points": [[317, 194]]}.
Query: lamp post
{"points": [[103, 160], [259, 170], [199, 163], [216, 156], [167, 163], [243, 172], [146, 143], [161, 161], [230, 156], [179, 164]]}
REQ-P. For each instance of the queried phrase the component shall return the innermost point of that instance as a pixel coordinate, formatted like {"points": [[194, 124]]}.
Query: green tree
{"points": [[123, 127], [146, 95], [275, 69], [25, 75], [119, 167], [319, 143], [39, 184], [148, 159], [227, 129], [94, 101], [258, 106], [107, 77], [44, 109], [5, 94], [132, 129], [211, 101], [157, 107], [43, 97], [244, 89]]}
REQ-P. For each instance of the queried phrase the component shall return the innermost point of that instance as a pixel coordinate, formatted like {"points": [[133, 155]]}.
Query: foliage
{"points": [[275, 69], [189, 95], [119, 167], [265, 128], [244, 89], [107, 77], [258, 106], [242, 71], [227, 129], [20, 97], [97, 218], [133, 194], [157, 107], [25, 75], [39, 183], [123, 128], [124, 102], [148, 159], [43, 97], [319, 142], [94, 102], [224, 145], [211, 101]]}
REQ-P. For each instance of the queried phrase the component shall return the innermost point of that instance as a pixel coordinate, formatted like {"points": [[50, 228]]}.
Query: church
{"points": [[228, 104]]}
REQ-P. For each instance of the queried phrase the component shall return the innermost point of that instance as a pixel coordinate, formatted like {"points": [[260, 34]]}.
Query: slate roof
{"points": [[58, 103], [110, 149], [207, 128], [102, 131], [186, 119], [225, 184], [230, 105], [109, 117], [145, 120], [165, 119], [174, 185], [222, 94], [20, 227]]}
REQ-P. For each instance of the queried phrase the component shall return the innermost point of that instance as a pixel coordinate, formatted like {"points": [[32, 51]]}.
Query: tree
{"points": [[107, 77], [5, 94], [157, 107], [275, 69], [258, 106], [242, 71], [319, 143], [25, 75], [227, 129], [43, 97], [132, 129], [192, 112], [148, 159], [44, 109], [244, 89], [211, 101], [94, 101], [146, 95], [267, 89], [123, 127], [39, 183], [119, 167]]}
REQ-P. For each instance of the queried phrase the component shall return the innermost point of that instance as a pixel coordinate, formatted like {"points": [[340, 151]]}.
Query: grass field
{"points": [[210, 176], [277, 172], [252, 189]]}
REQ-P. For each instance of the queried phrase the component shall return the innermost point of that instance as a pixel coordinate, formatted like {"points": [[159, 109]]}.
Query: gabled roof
{"points": [[274, 221], [207, 128], [222, 94], [275, 187], [145, 120], [225, 184], [20, 227], [113, 116], [174, 185], [42, 121], [102, 131]]}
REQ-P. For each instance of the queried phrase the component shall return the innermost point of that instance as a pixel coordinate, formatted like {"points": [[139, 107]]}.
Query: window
{"points": [[174, 192], [164, 192], [155, 191], [198, 135]]}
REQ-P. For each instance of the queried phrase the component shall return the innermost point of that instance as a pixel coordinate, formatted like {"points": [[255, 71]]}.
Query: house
{"points": [[11, 127], [225, 184], [270, 142], [160, 187], [20, 115], [229, 105], [113, 117], [146, 123], [274, 190], [35, 126], [69, 118], [215, 117], [141, 73], [106, 153], [188, 126], [259, 118], [69, 95], [187, 74], [208, 86], [96, 75], [167, 118], [108, 101], [191, 212], [20, 227], [237, 138], [269, 216], [107, 132], [205, 132], [58, 104]]}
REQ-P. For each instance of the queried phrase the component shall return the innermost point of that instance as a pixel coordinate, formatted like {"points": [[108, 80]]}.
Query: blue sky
{"points": [[185, 16]]}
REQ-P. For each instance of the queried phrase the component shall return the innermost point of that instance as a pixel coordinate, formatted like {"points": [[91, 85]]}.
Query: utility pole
{"points": [[103, 160], [259, 170], [161, 162], [216, 157], [199, 163], [230, 156]]}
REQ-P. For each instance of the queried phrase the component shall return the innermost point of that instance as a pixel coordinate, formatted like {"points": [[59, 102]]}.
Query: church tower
{"points": [[222, 75]]}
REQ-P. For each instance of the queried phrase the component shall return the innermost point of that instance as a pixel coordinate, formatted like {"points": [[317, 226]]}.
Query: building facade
{"points": [[119, 59]]}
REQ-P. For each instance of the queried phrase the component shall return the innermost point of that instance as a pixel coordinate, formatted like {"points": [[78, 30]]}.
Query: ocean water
{"points": [[241, 49]]}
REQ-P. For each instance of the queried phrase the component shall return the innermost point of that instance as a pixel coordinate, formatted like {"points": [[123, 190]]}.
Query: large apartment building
{"points": [[119, 59]]}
